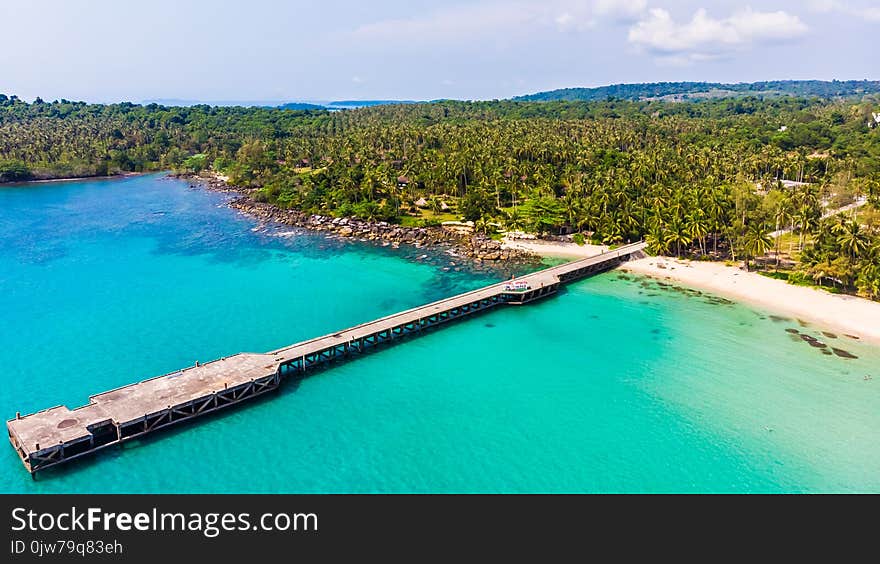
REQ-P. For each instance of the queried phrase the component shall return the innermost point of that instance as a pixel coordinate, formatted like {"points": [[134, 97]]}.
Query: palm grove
{"points": [[698, 178]]}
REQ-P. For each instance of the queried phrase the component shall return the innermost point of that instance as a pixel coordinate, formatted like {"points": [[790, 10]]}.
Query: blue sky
{"points": [[107, 50]]}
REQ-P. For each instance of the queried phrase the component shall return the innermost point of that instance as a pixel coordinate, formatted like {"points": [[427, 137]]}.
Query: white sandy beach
{"points": [[553, 248], [846, 314]]}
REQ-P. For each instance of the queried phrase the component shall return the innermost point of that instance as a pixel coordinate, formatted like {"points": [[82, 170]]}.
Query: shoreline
{"points": [[475, 248], [847, 314], [850, 315], [75, 178]]}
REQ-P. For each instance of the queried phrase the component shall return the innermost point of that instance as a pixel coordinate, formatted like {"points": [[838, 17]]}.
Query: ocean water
{"points": [[618, 384]]}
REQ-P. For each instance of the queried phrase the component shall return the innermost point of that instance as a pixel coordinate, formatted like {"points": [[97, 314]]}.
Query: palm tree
{"points": [[852, 238], [782, 215], [868, 281], [717, 210], [698, 228], [656, 239], [806, 222], [515, 220], [676, 234], [756, 242]]}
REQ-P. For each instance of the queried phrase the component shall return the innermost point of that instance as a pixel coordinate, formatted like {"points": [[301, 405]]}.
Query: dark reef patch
{"points": [[714, 300], [842, 353]]}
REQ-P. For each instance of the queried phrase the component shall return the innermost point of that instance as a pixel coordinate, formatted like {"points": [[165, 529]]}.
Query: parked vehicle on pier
{"points": [[517, 286]]}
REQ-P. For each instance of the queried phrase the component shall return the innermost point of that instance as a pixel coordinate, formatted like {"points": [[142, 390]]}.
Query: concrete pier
{"points": [[59, 434]]}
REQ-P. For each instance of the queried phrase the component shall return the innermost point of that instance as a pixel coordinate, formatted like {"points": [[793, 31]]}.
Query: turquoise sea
{"points": [[619, 384]]}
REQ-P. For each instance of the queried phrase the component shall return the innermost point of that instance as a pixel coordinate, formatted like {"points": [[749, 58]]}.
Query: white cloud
{"points": [[621, 10], [767, 26], [868, 12], [706, 38], [564, 20], [491, 18]]}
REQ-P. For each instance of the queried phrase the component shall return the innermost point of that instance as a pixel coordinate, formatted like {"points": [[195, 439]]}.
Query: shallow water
{"points": [[619, 384]]}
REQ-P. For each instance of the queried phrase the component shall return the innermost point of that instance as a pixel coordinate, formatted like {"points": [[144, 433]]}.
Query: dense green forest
{"points": [[684, 176], [681, 90]]}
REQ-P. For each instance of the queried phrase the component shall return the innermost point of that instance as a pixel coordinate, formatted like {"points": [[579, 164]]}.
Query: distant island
{"points": [[295, 105], [680, 91], [654, 91], [352, 104], [301, 106], [184, 102], [342, 104]]}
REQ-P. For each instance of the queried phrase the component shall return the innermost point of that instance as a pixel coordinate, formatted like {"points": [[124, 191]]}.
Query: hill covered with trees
{"points": [[683, 176], [678, 91]]}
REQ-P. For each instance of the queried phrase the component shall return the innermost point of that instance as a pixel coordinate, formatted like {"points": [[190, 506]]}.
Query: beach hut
{"points": [[421, 203]]}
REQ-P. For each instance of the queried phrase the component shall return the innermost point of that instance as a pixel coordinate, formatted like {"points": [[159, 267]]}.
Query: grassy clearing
{"points": [[797, 279], [427, 217]]}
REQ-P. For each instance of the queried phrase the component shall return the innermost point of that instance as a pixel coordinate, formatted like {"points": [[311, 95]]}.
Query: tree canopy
{"points": [[703, 178]]}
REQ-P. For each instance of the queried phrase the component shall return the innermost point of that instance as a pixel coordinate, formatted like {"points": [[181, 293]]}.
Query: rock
{"points": [[475, 248]]}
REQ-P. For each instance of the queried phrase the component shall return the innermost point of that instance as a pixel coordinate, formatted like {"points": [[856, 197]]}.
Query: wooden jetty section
{"points": [[59, 434]]}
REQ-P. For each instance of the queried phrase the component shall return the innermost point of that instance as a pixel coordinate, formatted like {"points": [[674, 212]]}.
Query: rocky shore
{"points": [[471, 246]]}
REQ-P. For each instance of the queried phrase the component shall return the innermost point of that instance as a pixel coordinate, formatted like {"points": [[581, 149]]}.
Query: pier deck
{"points": [[59, 434]]}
